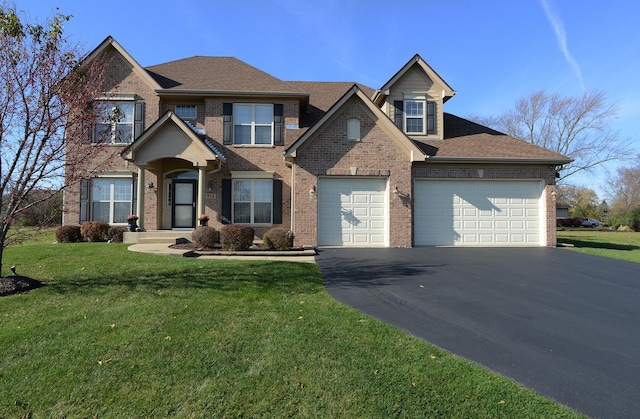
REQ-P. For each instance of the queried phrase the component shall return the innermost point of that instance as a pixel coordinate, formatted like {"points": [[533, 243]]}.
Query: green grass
{"points": [[122, 334], [611, 244]]}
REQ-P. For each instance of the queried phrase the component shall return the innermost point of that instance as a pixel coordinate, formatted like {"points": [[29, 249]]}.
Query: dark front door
{"points": [[183, 210]]}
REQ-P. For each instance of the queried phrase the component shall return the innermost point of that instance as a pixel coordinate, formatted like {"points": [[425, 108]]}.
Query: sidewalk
{"points": [[304, 256]]}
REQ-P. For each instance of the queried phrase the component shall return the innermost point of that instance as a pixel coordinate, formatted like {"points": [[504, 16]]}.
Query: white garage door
{"points": [[478, 213], [352, 212]]}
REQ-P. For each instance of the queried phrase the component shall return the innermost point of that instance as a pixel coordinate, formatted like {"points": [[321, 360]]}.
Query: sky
{"points": [[490, 52]]}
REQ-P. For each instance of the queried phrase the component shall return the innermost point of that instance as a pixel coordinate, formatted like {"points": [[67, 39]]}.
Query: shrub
{"points": [[236, 237], [68, 234], [569, 222], [278, 238], [94, 231], [205, 236], [116, 233]]}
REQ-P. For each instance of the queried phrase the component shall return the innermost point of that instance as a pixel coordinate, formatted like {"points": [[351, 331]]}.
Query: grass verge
{"points": [[122, 334], [612, 244]]}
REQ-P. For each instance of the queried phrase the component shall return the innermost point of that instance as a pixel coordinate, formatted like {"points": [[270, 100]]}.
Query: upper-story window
{"points": [[416, 115], [419, 117], [353, 129], [257, 124], [115, 122], [186, 111], [252, 124]]}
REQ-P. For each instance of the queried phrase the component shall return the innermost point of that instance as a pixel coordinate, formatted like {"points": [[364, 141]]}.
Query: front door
{"points": [[183, 210]]}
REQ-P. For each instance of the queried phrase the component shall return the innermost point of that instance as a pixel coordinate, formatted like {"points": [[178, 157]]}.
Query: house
{"points": [[340, 164]]}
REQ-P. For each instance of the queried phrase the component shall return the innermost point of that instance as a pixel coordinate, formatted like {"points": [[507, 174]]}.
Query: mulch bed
{"points": [[17, 284]]}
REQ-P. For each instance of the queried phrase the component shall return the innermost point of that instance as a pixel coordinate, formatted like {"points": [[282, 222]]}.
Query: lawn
{"points": [[612, 244], [122, 334]]}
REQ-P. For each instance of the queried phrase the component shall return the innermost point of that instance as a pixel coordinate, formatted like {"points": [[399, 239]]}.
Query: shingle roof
{"points": [[467, 140], [220, 74], [323, 95]]}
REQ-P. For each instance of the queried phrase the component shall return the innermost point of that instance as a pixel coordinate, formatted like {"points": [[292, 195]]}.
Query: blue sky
{"points": [[490, 52]]}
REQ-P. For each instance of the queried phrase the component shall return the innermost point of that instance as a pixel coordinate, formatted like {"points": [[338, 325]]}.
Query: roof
{"points": [[323, 95], [466, 140], [383, 121], [217, 74]]}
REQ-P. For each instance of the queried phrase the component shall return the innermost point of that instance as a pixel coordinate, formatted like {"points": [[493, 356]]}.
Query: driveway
{"points": [[564, 324]]}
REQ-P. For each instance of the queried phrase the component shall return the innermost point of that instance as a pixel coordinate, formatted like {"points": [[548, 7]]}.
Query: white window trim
{"points": [[253, 125], [252, 202], [122, 98], [112, 201]]}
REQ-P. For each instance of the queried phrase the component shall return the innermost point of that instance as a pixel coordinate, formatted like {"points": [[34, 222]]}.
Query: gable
{"points": [[351, 97]]}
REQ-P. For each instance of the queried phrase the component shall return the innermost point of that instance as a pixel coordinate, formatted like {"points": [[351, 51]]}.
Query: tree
{"points": [[624, 190], [578, 127], [46, 92], [583, 202]]}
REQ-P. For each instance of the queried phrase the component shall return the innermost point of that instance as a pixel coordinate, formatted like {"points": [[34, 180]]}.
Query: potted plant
{"points": [[204, 220], [132, 220]]}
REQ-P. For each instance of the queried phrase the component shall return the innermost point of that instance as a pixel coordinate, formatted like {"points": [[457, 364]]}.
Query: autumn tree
{"points": [[624, 191], [583, 202], [46, 91], [579, 127]]}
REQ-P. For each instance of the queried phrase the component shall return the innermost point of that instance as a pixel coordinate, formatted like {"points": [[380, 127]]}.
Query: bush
{"points": [[569, 222], [116, 233], [278, 238], [236, 237], [94, 231], [68, 234], [205, 236]]}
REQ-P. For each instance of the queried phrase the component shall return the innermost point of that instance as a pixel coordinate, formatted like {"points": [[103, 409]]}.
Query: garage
{"points": [[352, 212], [478, 213]]}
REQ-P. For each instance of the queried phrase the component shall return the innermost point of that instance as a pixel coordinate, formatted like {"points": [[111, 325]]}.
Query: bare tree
{"points": [[624, 191], [578, 127], [44, 100]]}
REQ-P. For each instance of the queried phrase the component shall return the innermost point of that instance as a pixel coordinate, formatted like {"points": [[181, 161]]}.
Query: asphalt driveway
{"points": [[564, 324]]}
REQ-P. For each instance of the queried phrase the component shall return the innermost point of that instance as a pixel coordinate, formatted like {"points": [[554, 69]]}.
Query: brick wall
{"points": [[331, 154]]}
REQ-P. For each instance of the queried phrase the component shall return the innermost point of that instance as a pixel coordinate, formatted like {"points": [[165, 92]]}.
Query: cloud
{"points": [[561, 37]]}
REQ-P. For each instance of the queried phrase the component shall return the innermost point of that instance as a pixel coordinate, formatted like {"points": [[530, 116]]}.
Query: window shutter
{"points": [[134, 196], [226, 201], [138, 119], [397, 116], [431, 117], [278, 125], [227, 114], [85, 184], [277, 201]]}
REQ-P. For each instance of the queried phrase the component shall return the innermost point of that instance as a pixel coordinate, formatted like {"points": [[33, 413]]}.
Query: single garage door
{"points": [[478, 213], [352, 212]]}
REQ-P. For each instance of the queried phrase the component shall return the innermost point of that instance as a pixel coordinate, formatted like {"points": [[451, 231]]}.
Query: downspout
{"points": [[293, 187]]}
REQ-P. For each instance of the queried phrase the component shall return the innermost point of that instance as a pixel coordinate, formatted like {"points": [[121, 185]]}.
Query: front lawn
{"points": [[122, 334], [612, 244]]}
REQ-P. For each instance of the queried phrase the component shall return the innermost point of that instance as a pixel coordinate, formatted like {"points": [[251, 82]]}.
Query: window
{"points": [[115, 122], [252, 201], [416, 115], [186, 111], [253, 124], [111, 200], [353, 129]]}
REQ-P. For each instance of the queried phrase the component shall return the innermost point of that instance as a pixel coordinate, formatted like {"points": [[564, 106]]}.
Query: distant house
{"points": [[562, 209], [340, 164]]}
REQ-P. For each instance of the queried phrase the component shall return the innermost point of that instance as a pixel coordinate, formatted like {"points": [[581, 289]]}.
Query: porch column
{"points": [[140, 197], [202, 173]]}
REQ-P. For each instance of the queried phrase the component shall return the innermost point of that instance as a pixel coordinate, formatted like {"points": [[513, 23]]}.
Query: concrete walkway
{"points": [[304, 256]]}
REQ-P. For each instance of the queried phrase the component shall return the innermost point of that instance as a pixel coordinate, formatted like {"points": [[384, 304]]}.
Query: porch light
{"points": [[312, 191], [150, 185], [396, 192]]}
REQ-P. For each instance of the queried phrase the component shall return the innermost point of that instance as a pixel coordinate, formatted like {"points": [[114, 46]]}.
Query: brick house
{"points": [[340, 164]]}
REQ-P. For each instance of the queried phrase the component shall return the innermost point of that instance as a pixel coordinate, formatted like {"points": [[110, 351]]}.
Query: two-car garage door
{"points": [[478, 213]]}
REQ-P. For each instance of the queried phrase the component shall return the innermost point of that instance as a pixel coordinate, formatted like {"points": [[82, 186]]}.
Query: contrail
{"points": [[561, 36]]}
